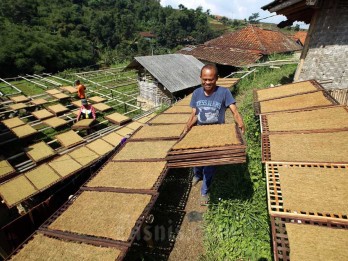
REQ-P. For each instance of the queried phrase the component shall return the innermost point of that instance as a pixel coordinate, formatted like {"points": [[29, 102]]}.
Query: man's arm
{"points": [[191, 121], [237, 117]]}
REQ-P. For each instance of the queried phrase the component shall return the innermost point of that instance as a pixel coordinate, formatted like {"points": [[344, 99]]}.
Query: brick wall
{"points": [[327, 57]]}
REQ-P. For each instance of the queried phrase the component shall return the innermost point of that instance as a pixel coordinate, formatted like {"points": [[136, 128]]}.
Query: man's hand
{"points": [[191, 121], [242, 128], [185, 130], [237, 118]]}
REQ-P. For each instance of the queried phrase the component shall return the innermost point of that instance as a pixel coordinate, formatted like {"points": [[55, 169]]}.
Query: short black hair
{"points": [[77, 81], [210, 66]]}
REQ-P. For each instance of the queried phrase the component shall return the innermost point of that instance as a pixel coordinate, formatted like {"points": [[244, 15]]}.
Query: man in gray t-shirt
{"points": [[211, 109], [209, 104]]}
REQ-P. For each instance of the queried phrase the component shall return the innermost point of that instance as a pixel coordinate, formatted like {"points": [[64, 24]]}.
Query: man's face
{"points": [[208, 79]]}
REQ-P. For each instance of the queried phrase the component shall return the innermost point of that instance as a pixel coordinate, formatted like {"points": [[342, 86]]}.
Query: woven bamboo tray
{"points": [[13, 122], [83, 124], [84, 156], [65, 166], [57, 109], [227, 82], [286, 90], [144, 151], [24, 131], [124, 131], [5, 168], [159, 132], [169, 119], [100, 147], [320, 147], [42, 114], [69, 89], [144, 119], [310, 120], [42, 177], [295, 102], [77, 103], [97, 99], [55, 122], [196, 149], [53, 91], [113, 138], [117, 118], [121, 221], [179, 109], [38, 101], [134, 125], [18, 106], [313, 192], [60, 96], [69, 139], [101, 107], [226, 160], [295, 239], [16, 190], [205, 136], [39, 151], [20, 98], [49, 246], [130, 175]]}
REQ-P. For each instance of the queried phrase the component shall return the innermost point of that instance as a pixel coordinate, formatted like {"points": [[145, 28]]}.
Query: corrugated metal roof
{"points": [[175, 72]]}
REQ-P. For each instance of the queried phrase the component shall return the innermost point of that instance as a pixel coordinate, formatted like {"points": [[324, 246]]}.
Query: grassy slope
{"points": [[237, 222], [217, 26]]}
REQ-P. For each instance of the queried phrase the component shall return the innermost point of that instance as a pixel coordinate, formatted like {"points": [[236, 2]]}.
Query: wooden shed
{"points": [[162, 78]]}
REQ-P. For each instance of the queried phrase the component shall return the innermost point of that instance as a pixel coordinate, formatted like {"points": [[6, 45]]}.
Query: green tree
{"points": [[253, 18], [39, 35]]}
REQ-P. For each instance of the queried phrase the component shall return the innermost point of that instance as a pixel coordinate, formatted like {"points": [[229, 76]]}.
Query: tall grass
{"points": [[237, 223]]}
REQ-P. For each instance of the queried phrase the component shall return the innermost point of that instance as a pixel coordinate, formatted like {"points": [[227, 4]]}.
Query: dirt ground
{"points": [[177, 232], [189, 242]]}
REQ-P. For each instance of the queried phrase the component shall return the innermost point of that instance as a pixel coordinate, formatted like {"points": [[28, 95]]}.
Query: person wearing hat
{"points": [[87, 111], [80, 89]]}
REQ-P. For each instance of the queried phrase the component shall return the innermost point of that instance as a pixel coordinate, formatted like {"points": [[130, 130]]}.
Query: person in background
{"points": [[87, 111], [81, 89], [209, 104]]}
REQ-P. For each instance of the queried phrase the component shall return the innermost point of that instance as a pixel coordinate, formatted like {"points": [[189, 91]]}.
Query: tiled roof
{"points": [[300, 36], [256, 39], [222, 55]]}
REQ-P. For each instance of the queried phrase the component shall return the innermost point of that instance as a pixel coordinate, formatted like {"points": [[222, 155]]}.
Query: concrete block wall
{"points": [[327, 57]]}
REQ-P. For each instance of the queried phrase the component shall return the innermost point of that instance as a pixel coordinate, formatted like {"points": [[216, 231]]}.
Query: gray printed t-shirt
{"points": [[211, 109]]}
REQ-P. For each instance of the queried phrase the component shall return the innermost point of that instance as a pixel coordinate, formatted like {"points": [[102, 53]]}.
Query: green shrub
{"points": [[237, 222]]}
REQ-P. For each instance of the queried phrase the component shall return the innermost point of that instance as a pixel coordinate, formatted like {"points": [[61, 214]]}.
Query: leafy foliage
{"points": [[237, 222], [253, 18], [40, 35], [32, 51]]}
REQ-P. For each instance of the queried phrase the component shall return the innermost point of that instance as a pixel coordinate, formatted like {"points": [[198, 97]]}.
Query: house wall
{"points": [[150, 92], [326, 55]]}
